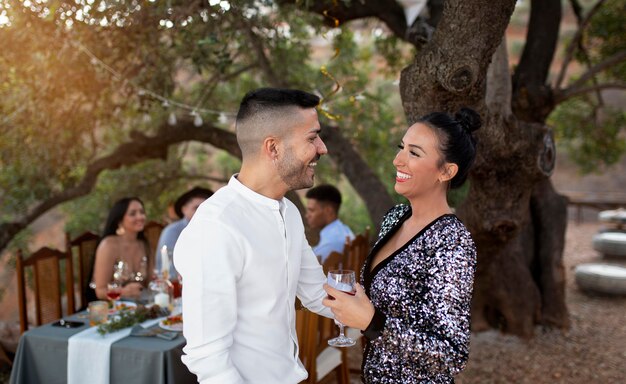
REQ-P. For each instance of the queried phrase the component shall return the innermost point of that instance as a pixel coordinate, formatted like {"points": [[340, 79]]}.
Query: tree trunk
{"points": [[549, 212], [515, 217], [518, 222]]}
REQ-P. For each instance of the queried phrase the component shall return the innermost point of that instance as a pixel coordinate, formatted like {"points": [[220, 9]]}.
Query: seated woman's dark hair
{"points": [[456, 143]]}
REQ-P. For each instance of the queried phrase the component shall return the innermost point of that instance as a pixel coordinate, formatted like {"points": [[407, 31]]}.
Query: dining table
{"points": [[42, 357]]}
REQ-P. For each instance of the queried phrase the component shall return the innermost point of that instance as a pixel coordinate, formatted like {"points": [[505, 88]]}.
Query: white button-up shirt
{"points": [[243, 258]]}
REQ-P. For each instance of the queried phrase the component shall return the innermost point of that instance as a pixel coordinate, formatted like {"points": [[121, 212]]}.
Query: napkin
{"points": [[89, 354], [138, 330]]}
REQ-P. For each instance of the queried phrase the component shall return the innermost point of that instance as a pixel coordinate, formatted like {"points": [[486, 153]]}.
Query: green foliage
{"points": [[606, 36], [129, 317], [590, 130], [592, 138]]}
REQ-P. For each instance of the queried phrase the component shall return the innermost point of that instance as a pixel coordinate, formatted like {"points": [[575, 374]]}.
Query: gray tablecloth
{"points": [[41, 357]]}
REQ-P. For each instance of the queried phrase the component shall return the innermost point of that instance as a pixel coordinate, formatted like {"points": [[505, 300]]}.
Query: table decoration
{"points": [[125, 319]]}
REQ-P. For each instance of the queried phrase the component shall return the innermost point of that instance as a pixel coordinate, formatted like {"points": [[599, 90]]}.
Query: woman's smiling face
{"points": [[418, 162]]}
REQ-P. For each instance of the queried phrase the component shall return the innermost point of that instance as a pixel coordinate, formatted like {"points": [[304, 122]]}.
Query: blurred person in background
{"points": [[322, 212], [185, 207], [122, 254]]}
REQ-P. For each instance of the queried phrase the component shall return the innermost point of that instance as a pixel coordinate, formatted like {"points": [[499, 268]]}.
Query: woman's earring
{"points": [[120, 231]]}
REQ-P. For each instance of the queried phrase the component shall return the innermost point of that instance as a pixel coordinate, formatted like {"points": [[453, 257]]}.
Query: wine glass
{"points": [[114, 292], [343, 280]]}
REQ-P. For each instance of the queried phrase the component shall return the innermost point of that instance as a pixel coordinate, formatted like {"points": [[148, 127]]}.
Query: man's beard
{"points": [[293, 172]]}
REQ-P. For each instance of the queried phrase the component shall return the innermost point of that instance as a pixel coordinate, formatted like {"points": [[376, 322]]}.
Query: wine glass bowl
{"points": [[114, 292], [342, 280]]}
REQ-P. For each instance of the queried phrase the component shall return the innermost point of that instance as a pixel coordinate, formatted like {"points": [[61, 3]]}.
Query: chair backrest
{"points": [[83, 249], [356, 251], [307, 332], [335, 260], [152, 230], [46, 266]]}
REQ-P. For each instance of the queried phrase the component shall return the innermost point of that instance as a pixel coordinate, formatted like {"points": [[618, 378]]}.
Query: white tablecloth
{"points": [[89, 354]]}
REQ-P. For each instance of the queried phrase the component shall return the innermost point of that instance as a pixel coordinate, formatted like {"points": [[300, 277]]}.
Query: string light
{"points": [[171, 120], [165, 102], [197, 119], [323, 106]]}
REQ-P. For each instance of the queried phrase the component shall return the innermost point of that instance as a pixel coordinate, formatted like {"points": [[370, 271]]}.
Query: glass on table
{"points": [[98, 312], [342, 280], [114, 292]]}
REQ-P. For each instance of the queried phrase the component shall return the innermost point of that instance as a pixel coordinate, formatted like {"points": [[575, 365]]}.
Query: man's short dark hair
{"points": [[200, 192], [266, 99], [269, 112], [325, 193]]}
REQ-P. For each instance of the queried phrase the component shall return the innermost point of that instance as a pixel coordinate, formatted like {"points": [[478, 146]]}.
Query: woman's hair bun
{"points": [[469, 119]]}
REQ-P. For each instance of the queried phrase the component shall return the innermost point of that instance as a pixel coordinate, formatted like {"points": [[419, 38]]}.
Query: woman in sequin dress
{"points": [[414, 309], [122, 240]]}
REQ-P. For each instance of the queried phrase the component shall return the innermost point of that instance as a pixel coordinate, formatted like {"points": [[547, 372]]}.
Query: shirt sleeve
{"points": [[311, 283], [209, 258]]}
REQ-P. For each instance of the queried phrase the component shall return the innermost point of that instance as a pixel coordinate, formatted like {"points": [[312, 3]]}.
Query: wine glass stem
{"points": [[341, 335]]}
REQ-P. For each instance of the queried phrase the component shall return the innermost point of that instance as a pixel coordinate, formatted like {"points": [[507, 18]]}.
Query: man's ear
{"points": [[449, 171], [270, 148]]}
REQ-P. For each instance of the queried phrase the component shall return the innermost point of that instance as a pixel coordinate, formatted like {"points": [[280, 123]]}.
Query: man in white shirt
{"points": [[244, 257], [322, 211]]}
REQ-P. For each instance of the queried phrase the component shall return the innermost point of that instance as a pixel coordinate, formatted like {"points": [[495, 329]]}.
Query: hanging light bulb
{"points": [[222, 118], [171, 120], [197, 120], [165, 104], [147, 118]]}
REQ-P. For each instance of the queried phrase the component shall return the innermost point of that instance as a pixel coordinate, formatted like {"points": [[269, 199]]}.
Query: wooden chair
{"points": [[334, 260], [152, 230], [83, 249], [356, 251], [318, 358], [46, 266]]}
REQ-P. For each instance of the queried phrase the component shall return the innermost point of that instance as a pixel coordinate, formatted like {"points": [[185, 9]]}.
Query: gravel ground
{"points": [[593, 350]]}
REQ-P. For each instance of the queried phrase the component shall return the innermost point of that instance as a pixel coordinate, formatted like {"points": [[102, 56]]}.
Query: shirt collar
{"points": [[256, 197]]}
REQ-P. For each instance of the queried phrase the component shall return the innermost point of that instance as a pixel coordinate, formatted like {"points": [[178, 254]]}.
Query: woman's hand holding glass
{"points": [[355, 311], [342, 282]]}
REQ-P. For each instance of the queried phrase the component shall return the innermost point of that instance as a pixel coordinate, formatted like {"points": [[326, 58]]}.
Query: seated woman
{"points": [[122, 254]]}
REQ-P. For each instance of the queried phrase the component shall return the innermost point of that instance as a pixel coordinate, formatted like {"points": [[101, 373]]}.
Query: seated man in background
{"points": [[185, 206], [322, 209]]}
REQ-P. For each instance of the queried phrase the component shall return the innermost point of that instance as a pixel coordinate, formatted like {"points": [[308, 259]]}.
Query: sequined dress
{"points": [[422, 292]]}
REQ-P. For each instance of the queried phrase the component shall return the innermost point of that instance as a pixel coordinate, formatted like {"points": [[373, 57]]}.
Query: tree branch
{"points": [[569, 93], [498, 90], [389, 12], [611, 61], [139, 149], [576, 41], [361, 177]]}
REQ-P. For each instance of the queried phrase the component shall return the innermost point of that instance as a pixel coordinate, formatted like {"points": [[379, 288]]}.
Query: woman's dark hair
{"points": [[456, 142], [116, 215]]}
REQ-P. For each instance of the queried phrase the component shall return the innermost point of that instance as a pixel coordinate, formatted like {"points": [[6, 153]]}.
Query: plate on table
{"points": [[122, 306], [172, 323]]}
